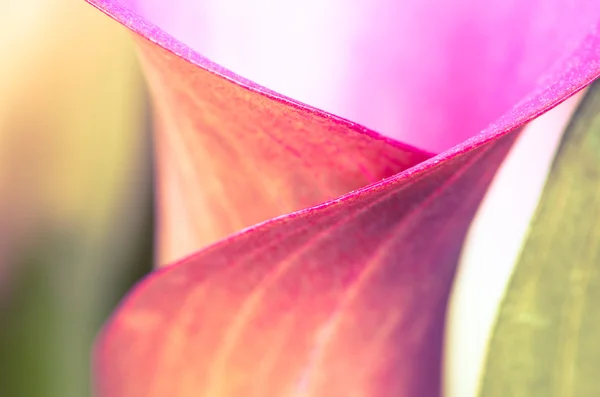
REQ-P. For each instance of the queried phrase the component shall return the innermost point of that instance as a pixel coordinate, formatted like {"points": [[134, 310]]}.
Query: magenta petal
{"points": [[346, 297], [230, 157], [430, 73]]}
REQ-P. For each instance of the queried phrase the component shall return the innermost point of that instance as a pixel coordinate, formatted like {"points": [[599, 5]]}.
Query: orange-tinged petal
{"points": [[344, 299], [230, 157]]}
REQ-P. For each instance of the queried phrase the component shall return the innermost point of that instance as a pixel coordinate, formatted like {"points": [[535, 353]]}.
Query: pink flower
{"points": [[346, 296]]}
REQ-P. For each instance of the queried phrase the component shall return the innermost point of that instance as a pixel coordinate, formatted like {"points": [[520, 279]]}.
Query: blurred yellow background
{"points": [[75, 189]]}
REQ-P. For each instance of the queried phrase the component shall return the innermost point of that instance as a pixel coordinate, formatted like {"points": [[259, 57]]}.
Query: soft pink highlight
{"points": [[430, 73]]}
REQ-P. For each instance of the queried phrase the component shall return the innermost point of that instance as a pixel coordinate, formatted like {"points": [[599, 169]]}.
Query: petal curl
{"points": [[431, 73], [232, 156], [347, 297]]}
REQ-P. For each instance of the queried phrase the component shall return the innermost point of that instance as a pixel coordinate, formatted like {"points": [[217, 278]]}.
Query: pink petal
{"points": [[347, 298], [344, 300], [218, 184], [431, 73], [230, 158]]}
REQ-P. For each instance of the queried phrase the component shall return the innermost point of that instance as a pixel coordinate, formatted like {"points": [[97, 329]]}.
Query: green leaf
{"points": [[546, 339]]}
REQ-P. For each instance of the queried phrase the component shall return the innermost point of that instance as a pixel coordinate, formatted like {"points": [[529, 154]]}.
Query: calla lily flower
{"points": [[332, 248]]}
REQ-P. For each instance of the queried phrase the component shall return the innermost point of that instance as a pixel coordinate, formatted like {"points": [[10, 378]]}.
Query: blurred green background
{"points": [[75, 189]]}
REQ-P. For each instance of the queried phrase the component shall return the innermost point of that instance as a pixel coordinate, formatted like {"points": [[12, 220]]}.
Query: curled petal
{"points": [[230, 158], [345, 298], [431, 73], [233, 155]]}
